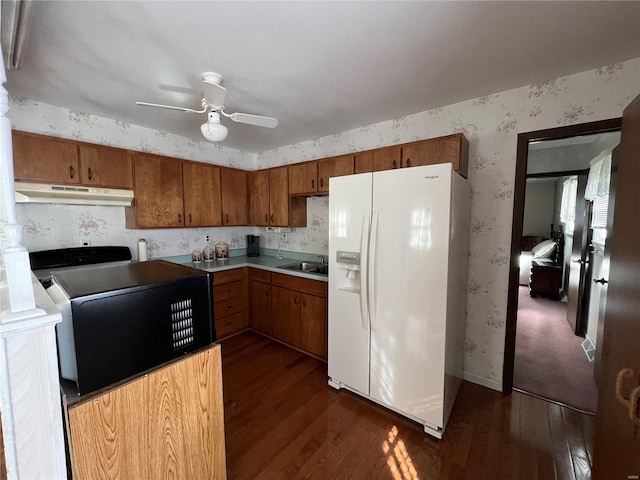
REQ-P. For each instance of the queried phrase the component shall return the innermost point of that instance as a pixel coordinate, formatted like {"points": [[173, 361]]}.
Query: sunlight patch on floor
{"points": [[398, 459]]}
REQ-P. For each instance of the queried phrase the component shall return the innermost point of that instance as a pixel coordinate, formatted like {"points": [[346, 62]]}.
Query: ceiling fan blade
{"points": [[257, 120], [214, 93], [171, 107]]}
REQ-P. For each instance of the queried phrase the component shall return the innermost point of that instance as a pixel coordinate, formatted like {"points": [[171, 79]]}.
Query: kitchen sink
{"points": [[308, 267]]}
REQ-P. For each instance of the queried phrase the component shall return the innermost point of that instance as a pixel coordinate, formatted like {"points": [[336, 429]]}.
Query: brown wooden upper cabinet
{"points": [[202, 197], [269, 201], [105, 167], [158, 193], [333, 167], [259, 191], [303, 178], [452, 148], [234, 197], [40, 158]]}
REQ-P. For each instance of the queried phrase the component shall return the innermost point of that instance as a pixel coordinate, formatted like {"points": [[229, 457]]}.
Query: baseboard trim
{"points": [[485, 382]]}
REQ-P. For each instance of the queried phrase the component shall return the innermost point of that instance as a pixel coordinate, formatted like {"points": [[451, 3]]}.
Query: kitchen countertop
{"points": [[263, 262]]}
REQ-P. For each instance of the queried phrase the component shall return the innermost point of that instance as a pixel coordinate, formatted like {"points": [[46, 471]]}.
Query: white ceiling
{"points": [[319, 67]]}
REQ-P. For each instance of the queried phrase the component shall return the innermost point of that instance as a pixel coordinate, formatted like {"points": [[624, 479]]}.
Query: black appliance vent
{"points": [[182, 324]]}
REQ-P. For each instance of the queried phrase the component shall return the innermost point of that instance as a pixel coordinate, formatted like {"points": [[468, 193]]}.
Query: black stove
{"points": [[43, 262]]}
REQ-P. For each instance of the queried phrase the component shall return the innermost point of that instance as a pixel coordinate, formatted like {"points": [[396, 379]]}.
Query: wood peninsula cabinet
{"points": [[166, 424], [230, 290], [269, 201], [260, 300], [45, 159], [299, 313], [545, 280]]}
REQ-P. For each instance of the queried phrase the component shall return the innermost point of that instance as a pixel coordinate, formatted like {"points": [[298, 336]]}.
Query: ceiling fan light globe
{"points": [[214, 132]]}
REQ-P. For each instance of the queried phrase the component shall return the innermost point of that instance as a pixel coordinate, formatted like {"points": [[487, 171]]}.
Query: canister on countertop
{"points": [[222, 251], [207, 254], [196, 256]]}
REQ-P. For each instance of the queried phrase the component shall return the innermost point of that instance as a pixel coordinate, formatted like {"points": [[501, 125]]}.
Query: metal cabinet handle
{"points": [[72, 171], [266, 218], [295, 300], [601, 280], [408, 162], [304, 301], [321, 182], [623, 374], [90, 173], [226, 218], [395, 165], [313, 183], [179, 218], [272, 220], [190, 220], [266, 293]]}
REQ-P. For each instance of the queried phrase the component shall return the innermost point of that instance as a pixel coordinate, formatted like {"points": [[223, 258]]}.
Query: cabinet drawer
{"points": [[227, 291], [227, 276], [304, 285], [228, 307], [260, 275], [230, 324]]}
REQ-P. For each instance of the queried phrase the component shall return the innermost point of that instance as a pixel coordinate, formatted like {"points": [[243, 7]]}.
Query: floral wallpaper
{"points": [[491, 123]]}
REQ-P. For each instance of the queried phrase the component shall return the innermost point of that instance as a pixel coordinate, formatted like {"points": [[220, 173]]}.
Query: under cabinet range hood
{"points": [[72, 195]]}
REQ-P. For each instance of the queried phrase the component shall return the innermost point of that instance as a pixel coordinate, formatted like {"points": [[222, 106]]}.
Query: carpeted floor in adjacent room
{"points": [[549, 361]]}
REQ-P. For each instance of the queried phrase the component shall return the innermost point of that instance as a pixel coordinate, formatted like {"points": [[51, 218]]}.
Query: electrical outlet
{"points": [[284, 237], [86, 243], [207, 238]]}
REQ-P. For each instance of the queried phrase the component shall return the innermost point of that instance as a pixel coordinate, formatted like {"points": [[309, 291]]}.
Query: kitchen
{"points": [[490, 122]]}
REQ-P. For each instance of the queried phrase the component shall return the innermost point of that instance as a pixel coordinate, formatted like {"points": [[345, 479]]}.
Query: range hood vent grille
{"points": [[72, 195]]}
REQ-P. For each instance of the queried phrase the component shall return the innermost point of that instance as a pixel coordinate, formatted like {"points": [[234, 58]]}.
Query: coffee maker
{"points": [[253, 245]]}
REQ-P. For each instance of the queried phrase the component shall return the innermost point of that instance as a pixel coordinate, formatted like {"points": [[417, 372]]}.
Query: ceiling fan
{"points": [[213, 102]]}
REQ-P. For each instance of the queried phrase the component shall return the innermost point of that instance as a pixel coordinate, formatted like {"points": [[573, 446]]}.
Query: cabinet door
{"points": [[105, 167], [285, 315], [430, 152], [234, 197], [333, 167], [38, 158], [186, 419], [364, 162], [313, 325], [108, 434], [202, 203], [260, 306], [303, 178], [279, 197], [158, 192], [387, 158], [258, 185]]}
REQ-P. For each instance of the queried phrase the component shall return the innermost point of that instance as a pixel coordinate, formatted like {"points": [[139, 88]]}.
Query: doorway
{"points": [[539, 157]]}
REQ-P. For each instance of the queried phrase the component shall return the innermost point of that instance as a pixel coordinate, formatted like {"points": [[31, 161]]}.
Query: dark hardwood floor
{"points": [[282, 421]]}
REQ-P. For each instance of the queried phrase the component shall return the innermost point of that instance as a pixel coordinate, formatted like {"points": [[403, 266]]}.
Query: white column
{"points": [[29, 383]]}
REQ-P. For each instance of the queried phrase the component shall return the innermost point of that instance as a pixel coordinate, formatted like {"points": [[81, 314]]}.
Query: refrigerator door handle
{"points": [[371, 269], [364, 265]]}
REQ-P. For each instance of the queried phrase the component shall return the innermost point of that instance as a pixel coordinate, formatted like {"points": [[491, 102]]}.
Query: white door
{"points": [[410, 242], [349, 222]]}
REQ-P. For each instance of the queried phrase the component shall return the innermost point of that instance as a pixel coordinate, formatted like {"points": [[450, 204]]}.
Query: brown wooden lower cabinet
{"points": [[167, 424], [260, 300], [230, 290], [299, 313]]}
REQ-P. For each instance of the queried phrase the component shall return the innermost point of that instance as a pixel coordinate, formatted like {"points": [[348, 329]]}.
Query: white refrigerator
{"points": [[398, 243]]}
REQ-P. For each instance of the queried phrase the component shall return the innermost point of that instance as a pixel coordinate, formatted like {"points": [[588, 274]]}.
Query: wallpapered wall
{"points": [[491, 123]]}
